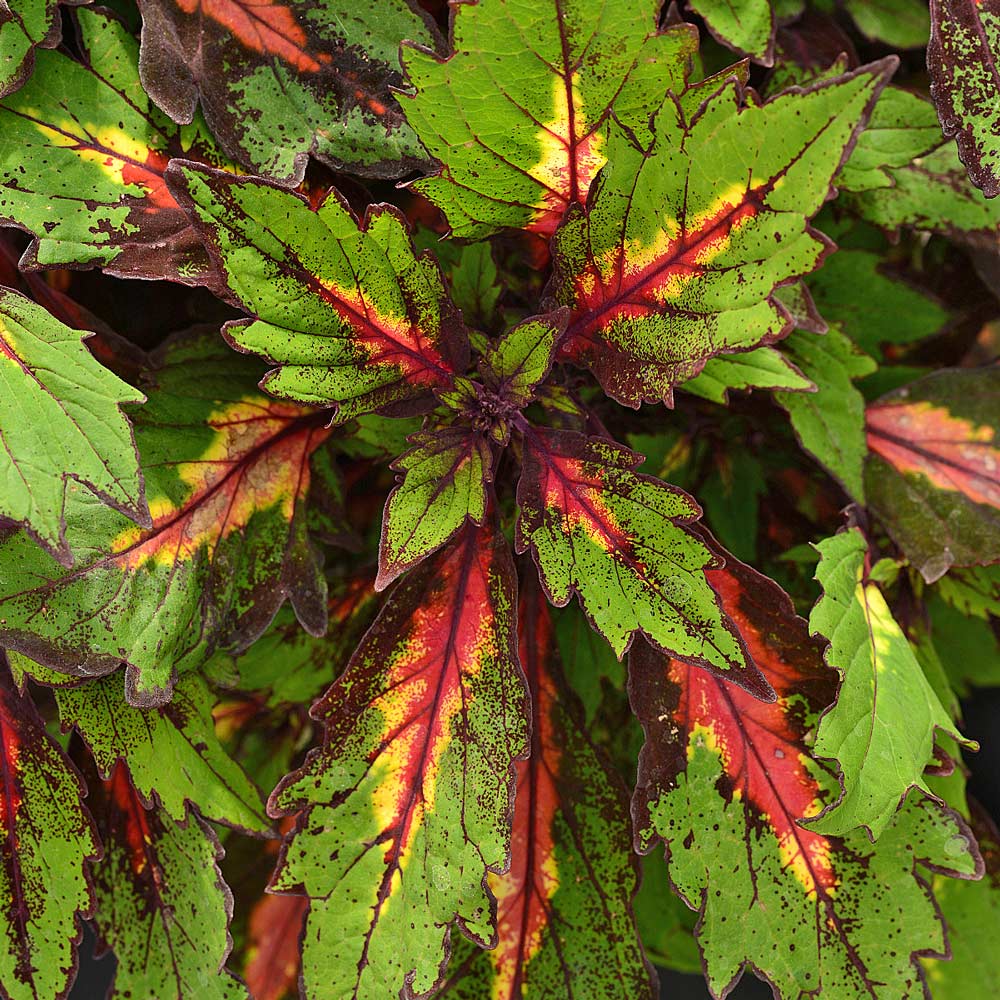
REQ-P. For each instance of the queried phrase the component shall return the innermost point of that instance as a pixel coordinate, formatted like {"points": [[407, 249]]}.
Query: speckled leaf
{"points": [[933, 475], [619, 541], [354, 318], [162, 906], [748, 26], [521, 360], [47, 838], [973, 591], [405, 808], [278, 82], [61, 426], [82, 156], [275, 927], [227, 474], [881, 730], [683, 243], [25, 25], [564, 910], [722, 781], [172, 753], [830, 423], [972, 912], [962, 59], [762, 368], [442, 485], [517, 115]]}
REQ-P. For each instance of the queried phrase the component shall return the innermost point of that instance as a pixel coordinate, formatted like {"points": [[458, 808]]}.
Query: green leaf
{"points": [[902, 24], [405, 806], [972, 913], [666, 922], [722, 781], [968, 647], [762, 368], [442, 487], [471, 272], [588, 659], [279, 82], [25, 25], [974, 590], [564, 909], [748, 27], [227, 477], [47, 838], [352, 316], [517, 114], [521, 360], [962, 59], [620, 541], [870, 304], [172, 753], [881, 730], [61, 426], [683, 243], [903, 127], [162, 906], [933, 475], [830, 422], [82, 158]]}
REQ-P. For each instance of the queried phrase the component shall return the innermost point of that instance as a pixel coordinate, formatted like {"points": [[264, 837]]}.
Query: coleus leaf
{"points": [[227, 475], [564, 910], [521, 360], [933, 476], [973, 590], [881, 729], [722, 781], [173, 754], [82, 157], [830, 422], [619, 541], [761, 368], [962, 59], [162, 906], [354, 318], [903, 24], [278, 82], [516, 115], [25, 25], [275, 928], [683, 243], [443, 485], [61, 426], [967, 648], [405, 808], [47, 838], [972, 913], [747, 27]]}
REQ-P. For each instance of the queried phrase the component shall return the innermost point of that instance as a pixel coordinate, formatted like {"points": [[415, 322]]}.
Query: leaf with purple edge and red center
{"points": [[162, 906], [227, 476], [723, 779], [933, 470], [963, 59], [46, 839], [82, 158], [280, 82], [517, 113], [564, 910], [620, 541], [686, 237], [405, 808], [355, 319]]}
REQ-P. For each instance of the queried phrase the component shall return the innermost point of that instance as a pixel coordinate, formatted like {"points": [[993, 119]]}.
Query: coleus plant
{"points": [[404, 573]]}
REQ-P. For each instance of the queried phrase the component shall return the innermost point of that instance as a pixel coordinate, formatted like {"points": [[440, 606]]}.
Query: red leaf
{"points": [[276, 924]]}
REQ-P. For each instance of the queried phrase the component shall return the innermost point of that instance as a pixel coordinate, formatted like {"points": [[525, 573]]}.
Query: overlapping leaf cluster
{"points": [[362, 563]]}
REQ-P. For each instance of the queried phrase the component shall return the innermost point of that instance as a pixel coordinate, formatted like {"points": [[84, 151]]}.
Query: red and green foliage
{"points": [[570, 558]]}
